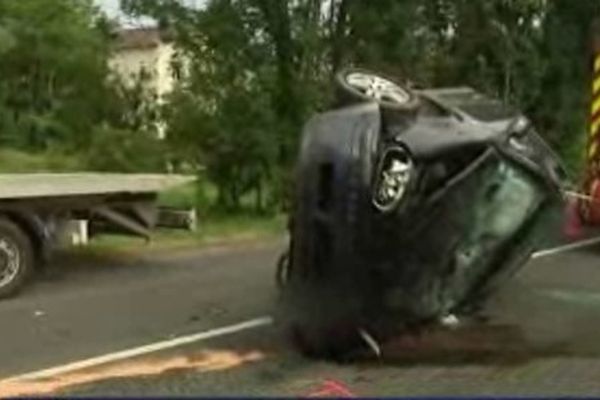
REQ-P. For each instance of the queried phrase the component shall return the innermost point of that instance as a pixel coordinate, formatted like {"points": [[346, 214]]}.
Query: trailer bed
{"points": [[23, 186]]}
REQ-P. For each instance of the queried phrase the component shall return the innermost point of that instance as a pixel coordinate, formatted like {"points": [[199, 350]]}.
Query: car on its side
{"points": [[410, 207]]}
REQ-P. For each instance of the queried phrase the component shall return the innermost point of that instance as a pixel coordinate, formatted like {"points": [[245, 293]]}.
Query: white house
{"points": [[145, 50]]}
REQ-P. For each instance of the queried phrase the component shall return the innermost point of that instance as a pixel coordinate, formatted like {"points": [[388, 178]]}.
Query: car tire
{"points": [[16, 258], [398, 105], [337, 342], [330, 234]]}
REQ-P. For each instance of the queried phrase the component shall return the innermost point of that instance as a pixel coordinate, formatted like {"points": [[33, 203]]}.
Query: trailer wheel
{"points": [[16, 258]]}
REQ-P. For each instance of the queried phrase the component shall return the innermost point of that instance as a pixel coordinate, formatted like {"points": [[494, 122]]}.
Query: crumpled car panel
{"points": [[455, 244]]}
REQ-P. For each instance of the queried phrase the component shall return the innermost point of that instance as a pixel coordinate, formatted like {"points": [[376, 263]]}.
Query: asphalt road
{"points": [[91, 306], [542, 338]]}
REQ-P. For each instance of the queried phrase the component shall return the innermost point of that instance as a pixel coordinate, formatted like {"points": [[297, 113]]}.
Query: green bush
{"points": [[115, 150]]}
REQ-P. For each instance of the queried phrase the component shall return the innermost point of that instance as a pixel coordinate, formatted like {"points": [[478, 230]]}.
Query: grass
{"points": [[215, 225], [213, 230], [15, 161], [183, 196]]}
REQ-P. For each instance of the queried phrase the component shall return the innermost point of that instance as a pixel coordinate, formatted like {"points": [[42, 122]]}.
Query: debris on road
{"points": [[410, 208], [371, 342], [450, 321]]}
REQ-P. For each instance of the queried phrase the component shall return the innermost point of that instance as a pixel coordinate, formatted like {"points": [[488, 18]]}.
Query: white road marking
{"points": [[143, 350], [566, 248], [582, 297]]}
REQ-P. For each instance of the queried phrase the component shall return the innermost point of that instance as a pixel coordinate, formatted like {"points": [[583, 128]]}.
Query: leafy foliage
{"points": [[253, 70], [259, 67], [57, 89], [53, 68]]}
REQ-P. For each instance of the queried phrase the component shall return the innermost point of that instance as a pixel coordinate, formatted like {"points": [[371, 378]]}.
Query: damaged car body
{"points": [[409, 207]]}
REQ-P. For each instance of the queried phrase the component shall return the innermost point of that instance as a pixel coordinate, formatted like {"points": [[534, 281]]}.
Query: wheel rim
{"points": [[395, 176], [377, 88], [9, 262]]}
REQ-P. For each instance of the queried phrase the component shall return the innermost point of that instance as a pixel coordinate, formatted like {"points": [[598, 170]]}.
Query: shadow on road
{"points": [[525, 324]]}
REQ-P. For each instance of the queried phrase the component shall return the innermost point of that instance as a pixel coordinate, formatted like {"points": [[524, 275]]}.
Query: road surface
{"points": [[542, 338]]}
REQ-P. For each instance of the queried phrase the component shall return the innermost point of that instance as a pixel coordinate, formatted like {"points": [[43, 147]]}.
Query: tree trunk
{"points": [[339, 19], [259, 196]]}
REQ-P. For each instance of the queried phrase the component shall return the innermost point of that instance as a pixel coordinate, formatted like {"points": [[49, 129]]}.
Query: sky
{"points": [[111, 7]]}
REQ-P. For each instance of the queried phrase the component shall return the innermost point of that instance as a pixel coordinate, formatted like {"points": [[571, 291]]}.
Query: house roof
{"points": [[139, 38]]}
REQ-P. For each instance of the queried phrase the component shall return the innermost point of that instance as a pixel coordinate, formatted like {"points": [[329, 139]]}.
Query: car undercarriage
{"points": [[410, 208]]}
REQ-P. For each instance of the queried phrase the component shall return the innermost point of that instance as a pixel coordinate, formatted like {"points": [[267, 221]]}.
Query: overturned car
{"points": [[410, 207]]}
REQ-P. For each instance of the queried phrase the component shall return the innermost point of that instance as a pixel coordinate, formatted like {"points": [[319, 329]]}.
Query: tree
{"points": [[253, 78], [53, 67], [57, 90], [564, 90], [531, 53]]}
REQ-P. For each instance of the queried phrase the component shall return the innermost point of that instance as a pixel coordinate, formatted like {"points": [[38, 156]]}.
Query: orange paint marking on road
{"points": [[331, 388], [206, 361]]}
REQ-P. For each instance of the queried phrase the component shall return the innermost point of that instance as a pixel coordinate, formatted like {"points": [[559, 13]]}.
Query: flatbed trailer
{"points": [[34, 209]]}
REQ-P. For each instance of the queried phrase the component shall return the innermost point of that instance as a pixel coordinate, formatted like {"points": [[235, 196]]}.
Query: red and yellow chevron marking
{"points": [[594, 132], [591, 212]]}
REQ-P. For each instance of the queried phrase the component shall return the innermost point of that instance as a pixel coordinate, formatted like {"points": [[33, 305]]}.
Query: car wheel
{"points": [[16, 258], [396, 176], [397, 102], [330, 233]]}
